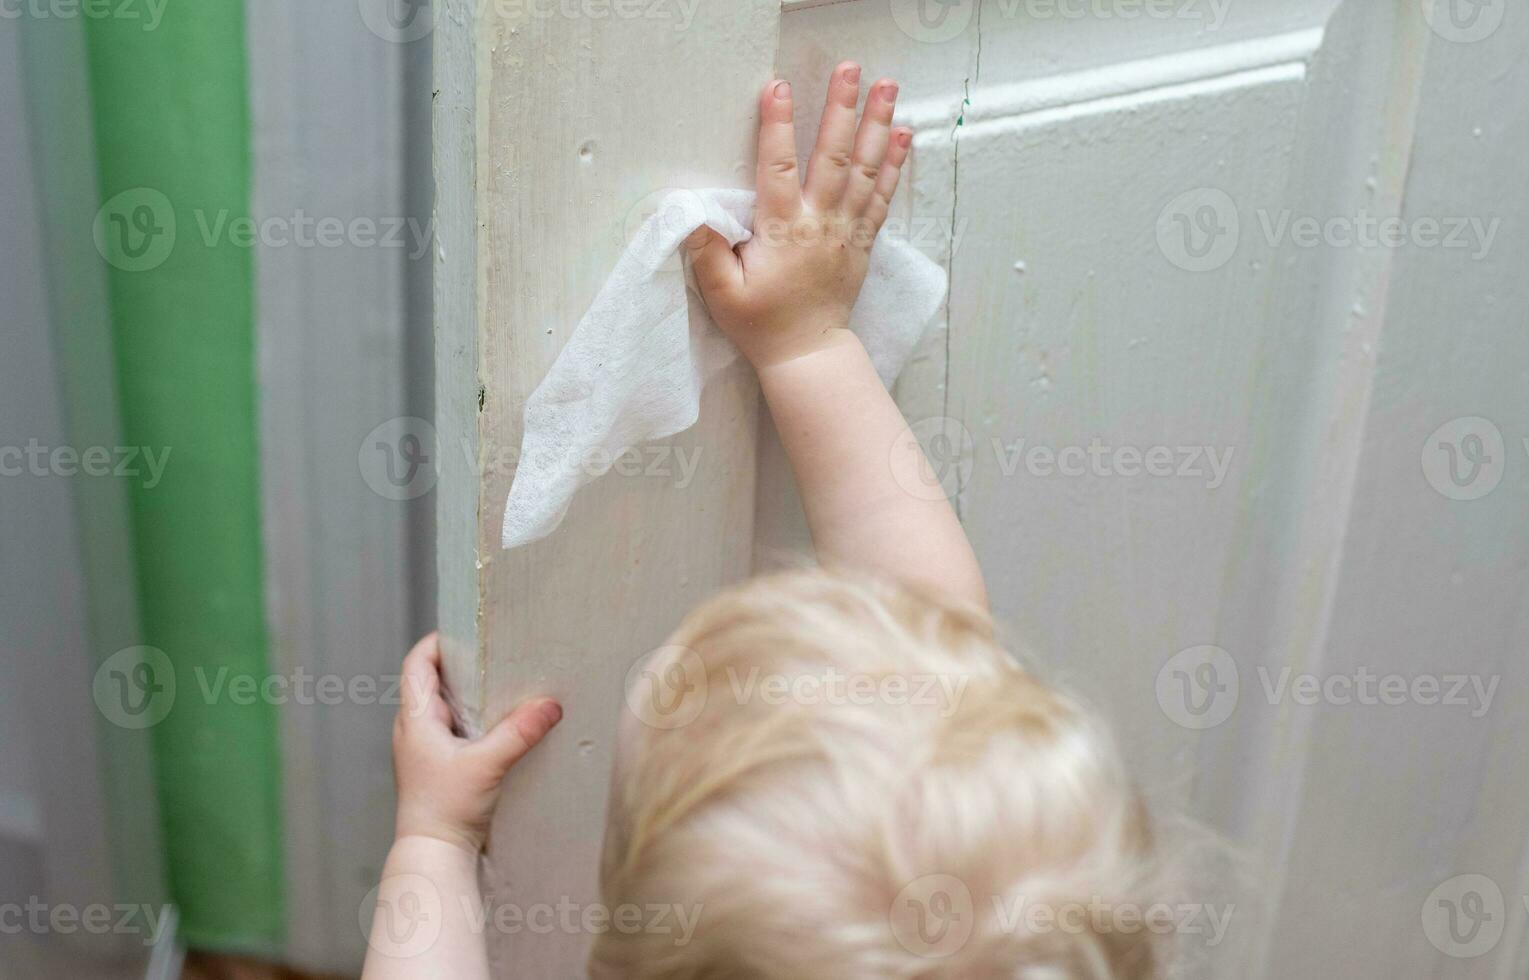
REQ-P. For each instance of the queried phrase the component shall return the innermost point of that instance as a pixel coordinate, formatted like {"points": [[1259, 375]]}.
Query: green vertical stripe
{"points": [[172, 118]]}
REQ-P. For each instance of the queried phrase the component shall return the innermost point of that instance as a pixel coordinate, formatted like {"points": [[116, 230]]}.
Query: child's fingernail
{"points": [[783, 90], [553, 712], [904, 139], [889, 91], [852, 74]]}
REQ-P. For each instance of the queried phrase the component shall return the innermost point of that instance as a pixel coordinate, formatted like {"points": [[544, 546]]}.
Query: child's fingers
{"points": [[522, 731], [779, 185], [871, 146], [891, 173], [716, 264], [828, 171], [422, 676]]}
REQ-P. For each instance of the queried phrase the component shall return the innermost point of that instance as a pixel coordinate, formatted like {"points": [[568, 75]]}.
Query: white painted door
{"points": [[1199, 338], [1185, 368]]}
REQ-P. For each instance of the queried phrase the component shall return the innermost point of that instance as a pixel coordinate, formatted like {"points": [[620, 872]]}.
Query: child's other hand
{"points": [[447, 786], [787, 290]]}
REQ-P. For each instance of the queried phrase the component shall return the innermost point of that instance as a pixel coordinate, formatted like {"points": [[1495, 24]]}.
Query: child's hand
{"points": [[784, 292], [447, 786]]}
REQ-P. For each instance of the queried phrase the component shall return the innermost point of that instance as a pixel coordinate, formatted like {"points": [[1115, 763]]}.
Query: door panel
{"points": [[1183, 436], [1114, 197]]}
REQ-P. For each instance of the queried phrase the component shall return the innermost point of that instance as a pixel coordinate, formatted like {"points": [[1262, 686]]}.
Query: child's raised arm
{"points": [[785, 296]]}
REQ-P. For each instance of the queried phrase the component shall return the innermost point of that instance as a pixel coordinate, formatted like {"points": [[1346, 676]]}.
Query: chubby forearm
{"points": [[863, 477], [429, 915]]}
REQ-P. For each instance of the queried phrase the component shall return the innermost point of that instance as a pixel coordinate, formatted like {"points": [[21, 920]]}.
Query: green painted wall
{"points": [[171, 113]]}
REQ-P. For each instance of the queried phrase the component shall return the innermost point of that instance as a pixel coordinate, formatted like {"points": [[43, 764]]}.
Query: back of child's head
{"points": [[844, 778]]}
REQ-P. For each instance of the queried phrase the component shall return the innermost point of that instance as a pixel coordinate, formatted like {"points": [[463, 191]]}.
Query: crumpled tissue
{"points": [[635, 366]]}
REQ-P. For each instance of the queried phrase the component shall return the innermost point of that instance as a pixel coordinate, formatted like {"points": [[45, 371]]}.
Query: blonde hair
{"points": [[817, 832]]}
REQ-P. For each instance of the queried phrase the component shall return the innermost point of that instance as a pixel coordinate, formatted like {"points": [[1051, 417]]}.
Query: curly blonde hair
{"points": [[843, 777]]}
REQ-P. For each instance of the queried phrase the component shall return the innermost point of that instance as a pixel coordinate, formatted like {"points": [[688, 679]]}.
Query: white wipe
{"points": [[634, 368]]}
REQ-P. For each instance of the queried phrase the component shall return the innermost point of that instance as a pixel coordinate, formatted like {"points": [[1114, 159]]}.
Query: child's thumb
{"points": [[715, 262], [512, 738]]}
